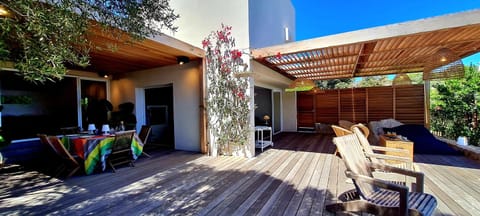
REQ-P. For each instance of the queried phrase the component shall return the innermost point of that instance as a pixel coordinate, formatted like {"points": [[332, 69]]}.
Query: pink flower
{"points": [[241, 95], [221, 36], [224, 68], [279, 55], [205, 43], [236, 54]]}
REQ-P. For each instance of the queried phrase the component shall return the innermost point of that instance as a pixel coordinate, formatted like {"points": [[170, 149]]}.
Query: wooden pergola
{"points": [[390, 49]]}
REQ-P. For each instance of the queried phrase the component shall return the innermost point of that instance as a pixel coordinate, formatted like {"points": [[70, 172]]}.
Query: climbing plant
{"points": [[227, 103]]}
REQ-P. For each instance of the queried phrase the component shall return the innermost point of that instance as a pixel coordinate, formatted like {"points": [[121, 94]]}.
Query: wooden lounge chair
{"points": [[121, 149], [345, 124], [340, 131], [70, 164], [377, 196], [404, 161], [143, 135]]}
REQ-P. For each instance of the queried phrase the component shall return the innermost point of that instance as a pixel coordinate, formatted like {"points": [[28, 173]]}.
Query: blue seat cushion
{"points": [[424, 141]]}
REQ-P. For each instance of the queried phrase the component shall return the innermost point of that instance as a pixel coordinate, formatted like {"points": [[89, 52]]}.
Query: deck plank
{"points": [[298, 176]]}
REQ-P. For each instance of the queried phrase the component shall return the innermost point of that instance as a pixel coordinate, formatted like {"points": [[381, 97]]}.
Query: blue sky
{"points": [[316, 18]]}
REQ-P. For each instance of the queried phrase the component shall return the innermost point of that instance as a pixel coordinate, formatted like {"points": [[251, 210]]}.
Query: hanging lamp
{"points": [[401, 79], [443, 64], [301, 84]]}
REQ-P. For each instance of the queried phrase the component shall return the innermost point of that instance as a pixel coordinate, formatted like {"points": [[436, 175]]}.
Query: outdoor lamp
{"points": [[91, 128], [182, 60], [105, 129]]}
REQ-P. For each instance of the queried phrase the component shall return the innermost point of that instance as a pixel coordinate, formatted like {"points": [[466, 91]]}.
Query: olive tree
{"points": [[42, 38]]}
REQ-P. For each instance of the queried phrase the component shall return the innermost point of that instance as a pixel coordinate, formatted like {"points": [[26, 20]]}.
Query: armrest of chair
{"points": [[419, 177], [390, 157], [387, 149], [402, 190]]}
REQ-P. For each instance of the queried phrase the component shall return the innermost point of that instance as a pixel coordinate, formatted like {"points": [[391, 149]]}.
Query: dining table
{"points": [[94, 149]]}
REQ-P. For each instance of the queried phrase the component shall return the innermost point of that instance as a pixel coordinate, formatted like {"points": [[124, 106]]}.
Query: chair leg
{"points": [[111, 165], [144, 153], [74, 170], [60, 169]]}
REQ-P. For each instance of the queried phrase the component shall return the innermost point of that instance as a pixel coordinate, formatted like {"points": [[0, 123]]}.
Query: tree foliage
{"points": [[42, 37], [334, 83], [372, 81], [454, 106]]}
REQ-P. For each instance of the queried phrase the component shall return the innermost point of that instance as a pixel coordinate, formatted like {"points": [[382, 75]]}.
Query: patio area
{"points": [[299, 176]]}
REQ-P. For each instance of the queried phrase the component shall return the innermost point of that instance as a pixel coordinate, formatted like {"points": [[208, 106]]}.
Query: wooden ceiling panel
{"points": [[113, 55]]}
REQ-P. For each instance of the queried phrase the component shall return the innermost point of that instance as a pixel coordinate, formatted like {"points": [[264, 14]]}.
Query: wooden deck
{"points": [[296, 177]]}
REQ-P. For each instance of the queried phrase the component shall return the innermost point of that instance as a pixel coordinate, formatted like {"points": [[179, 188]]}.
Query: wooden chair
{"points": [[345, 124], [362, 127], [69, 130], [376, 196], [340, 131], [121, 149], [70, 164], [403, 161], [143, 135]]}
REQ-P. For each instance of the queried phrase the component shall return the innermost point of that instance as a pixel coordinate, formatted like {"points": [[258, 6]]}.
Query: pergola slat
{"points": [[379, 50]]}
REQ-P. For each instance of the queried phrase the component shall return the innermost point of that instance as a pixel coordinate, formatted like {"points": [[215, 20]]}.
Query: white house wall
{"points": [[289, 107], [186, 98], [268, 20], [200, 17], [267, 78]]}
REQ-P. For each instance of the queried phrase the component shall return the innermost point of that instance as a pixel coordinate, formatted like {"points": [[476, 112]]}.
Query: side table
{"points": [[262, 141], [396, 142]]}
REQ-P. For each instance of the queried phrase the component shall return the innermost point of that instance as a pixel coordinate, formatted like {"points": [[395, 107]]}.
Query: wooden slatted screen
{"points": [[353, 105], [305, 109], [380, 103], [404, 103], [326, 108], [409, 104]]}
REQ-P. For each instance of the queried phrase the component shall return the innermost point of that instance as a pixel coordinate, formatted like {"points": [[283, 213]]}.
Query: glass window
{"points": [[95, 105], [30, 108]]}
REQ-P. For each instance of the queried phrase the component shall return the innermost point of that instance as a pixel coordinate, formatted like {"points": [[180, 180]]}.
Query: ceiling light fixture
{"points": [[182, 60]]}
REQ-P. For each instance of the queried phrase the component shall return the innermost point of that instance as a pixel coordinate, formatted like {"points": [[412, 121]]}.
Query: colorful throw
{"points": [[96, 149]]}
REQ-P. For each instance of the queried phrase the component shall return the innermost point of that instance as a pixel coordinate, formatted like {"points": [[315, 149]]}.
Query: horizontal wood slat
{"points": [[404, 103], [326, 108]]}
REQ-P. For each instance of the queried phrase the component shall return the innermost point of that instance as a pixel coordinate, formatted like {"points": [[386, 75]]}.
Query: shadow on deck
{"points": [[299, 175]]}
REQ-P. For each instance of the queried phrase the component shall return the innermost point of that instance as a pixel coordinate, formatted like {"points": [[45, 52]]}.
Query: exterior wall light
{"points": [[182, 60]]}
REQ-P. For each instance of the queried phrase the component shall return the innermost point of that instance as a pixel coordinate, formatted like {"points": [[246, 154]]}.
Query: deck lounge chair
{"points": [[376, 196], [340, 131], [398, 161]]}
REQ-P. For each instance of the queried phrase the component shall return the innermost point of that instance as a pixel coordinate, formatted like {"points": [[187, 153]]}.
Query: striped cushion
{"points": [[424, 203]]}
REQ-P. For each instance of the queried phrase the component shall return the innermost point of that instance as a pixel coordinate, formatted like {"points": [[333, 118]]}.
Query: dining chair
{"points": [[143, 135], [70, 163], [121, 149], [70, 130]]}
